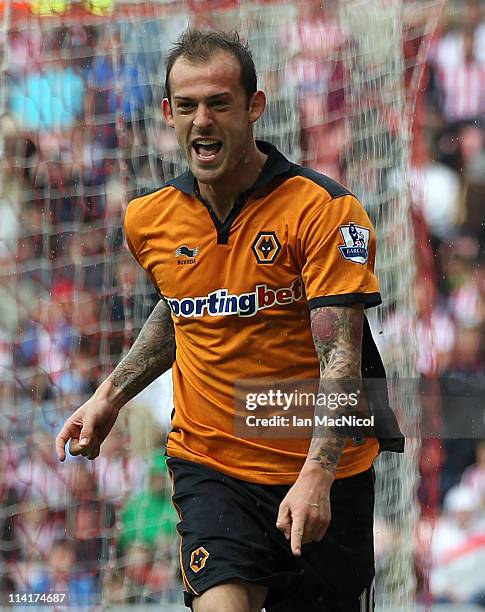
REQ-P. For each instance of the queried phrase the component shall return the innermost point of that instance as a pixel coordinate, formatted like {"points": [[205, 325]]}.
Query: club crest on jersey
{"points": [[356, 240], [266, 247], [186, 254], [198, 559]]}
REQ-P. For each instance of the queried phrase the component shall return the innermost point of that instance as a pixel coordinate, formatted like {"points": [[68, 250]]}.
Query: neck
{"points": [[223, 195]]}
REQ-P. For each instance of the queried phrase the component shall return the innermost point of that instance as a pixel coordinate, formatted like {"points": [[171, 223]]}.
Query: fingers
{"points": [[85, 430], [83, 442], [94, 453], [69, 433], [321, 533], [89, 450], [86, 435], [75, 448], [318, 520], [79, 432], [323, 523], [314, 531], [61, 441], [307, 528], [297, 532], [283, 522], [301, 528]]}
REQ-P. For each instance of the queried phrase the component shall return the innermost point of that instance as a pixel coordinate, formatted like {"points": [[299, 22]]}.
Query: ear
{"points": [[257, 104], [167, 112]]}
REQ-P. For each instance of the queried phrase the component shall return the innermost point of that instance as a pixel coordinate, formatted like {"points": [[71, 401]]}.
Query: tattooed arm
{"points": [[151, 355], [337, 335], [304, 514]]}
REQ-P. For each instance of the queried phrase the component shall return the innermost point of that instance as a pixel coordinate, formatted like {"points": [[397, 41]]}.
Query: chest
{"points": [[199, 257]]}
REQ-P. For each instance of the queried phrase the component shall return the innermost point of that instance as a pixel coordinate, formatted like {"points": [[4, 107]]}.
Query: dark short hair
{"points": [[199, 46]]}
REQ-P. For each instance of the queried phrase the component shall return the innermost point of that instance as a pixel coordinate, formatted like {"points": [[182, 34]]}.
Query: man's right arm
{"points": [[152, 354]]}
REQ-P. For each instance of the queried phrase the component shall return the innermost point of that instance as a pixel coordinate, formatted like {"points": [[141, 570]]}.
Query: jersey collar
{"points": [[275, 165]]}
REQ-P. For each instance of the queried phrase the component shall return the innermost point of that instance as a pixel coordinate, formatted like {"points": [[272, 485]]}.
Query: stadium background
{"points": [[386, 96]]}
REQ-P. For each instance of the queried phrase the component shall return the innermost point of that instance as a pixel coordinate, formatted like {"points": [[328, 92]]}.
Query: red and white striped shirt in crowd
{"points": [[463, 88], [312, 46]]}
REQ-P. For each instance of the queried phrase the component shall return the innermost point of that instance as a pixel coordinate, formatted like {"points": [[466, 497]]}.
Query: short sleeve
{"points": [[130, 230], [338, 255], [134, 242]]}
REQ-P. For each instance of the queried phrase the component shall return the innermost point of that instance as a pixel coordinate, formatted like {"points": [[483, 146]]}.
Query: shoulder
{"points": [[149, 202], [317, 198], [322, 184]]}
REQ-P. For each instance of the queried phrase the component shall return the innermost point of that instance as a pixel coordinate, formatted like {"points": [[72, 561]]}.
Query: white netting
{"points": [[84, 134], [380, 124], [378, 168]]}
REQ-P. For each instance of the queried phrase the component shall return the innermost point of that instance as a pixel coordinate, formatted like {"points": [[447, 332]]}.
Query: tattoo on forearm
{"points": [[326, 452], [152, 354], [337, 335]]}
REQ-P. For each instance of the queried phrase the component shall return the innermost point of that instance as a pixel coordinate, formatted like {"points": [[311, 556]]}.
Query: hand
{"points": [[304, 513], [87, 428]]}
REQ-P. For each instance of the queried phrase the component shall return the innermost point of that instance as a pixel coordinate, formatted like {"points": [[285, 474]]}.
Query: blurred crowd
{"points": [[81, 135], [102, 529], [451, 316], [74, 144]]}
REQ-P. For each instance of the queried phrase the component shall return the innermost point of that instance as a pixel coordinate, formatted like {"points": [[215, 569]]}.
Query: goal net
{"points": [[81, 134]]}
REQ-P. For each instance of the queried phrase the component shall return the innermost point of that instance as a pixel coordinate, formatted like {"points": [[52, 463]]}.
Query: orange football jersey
{"points": [[240, 292]]}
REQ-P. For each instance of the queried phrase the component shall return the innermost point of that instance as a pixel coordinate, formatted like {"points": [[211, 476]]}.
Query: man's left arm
{"points": [[304, 513]]}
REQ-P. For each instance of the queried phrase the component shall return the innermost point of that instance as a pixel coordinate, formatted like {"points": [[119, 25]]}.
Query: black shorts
{"points": [[228, 533]]}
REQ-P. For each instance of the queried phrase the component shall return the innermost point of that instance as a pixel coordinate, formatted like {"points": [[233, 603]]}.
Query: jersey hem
{"points": [[345, 299], [287, 478]]}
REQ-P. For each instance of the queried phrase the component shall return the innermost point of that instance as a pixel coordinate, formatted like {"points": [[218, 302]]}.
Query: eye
{"points": [[185, 106], [220, 105]]}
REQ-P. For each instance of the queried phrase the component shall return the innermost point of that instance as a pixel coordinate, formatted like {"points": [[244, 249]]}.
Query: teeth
{"points": [[206, 141]]}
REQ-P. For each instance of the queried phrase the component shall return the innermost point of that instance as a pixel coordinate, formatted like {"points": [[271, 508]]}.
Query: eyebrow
{"points": [[216, 96]]}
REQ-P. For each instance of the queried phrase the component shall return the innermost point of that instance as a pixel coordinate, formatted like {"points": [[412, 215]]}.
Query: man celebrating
{"points": [[260, 277]]}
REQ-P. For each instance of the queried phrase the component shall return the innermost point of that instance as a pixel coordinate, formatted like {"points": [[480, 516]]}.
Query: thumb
{"points": [[86, 434], [283, 522]]}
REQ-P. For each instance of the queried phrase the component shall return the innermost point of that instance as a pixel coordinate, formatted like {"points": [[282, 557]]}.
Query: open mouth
{"points": [[206, 149]]}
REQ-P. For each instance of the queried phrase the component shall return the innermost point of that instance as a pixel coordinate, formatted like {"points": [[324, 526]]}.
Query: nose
{"points": [[202, 117]]}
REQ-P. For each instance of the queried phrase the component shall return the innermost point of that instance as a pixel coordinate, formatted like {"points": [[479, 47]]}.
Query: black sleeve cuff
{"points": [[346, 299]]}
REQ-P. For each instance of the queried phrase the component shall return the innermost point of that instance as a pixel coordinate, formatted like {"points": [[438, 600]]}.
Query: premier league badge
{"points": [[356, 240]]}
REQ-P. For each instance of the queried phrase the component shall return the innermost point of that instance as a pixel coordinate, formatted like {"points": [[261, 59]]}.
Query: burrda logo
{"points": [[188, 255], [222, 303]]}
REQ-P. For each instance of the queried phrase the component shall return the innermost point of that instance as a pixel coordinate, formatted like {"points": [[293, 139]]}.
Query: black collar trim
{"points": [[275, 165]]}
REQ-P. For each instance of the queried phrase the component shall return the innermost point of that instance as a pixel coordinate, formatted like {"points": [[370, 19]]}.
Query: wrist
{"points": [[314, 469], [108, 394]]}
